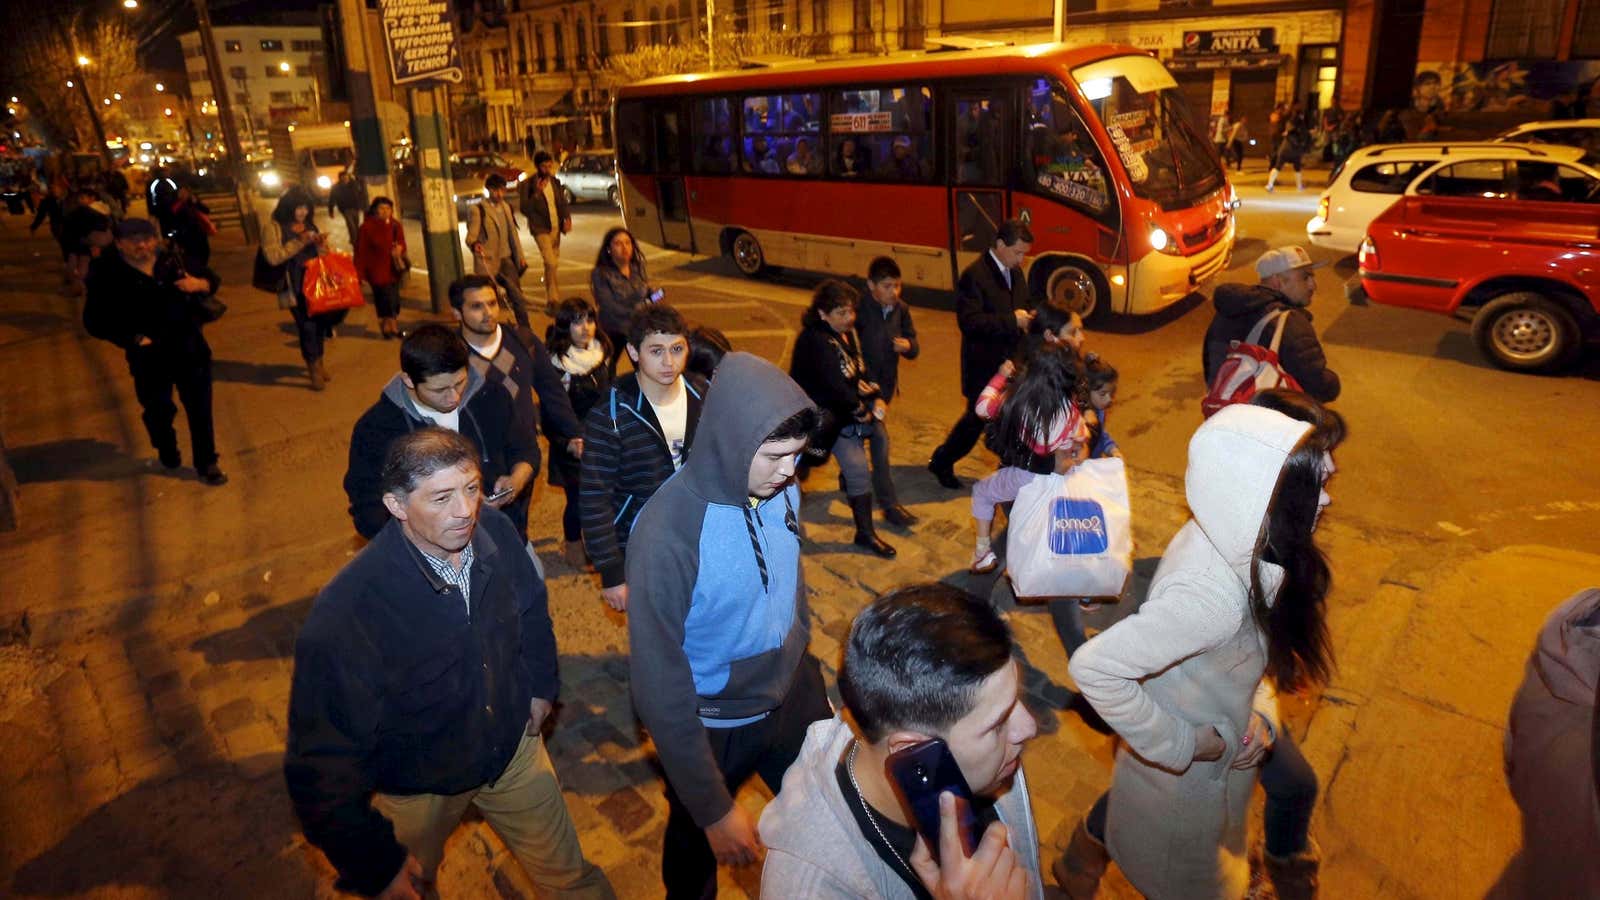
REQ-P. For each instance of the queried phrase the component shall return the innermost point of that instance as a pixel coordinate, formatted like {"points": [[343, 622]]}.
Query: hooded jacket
{"points": [[716, 600], [1192, 656], [1240, 307], [815, 848], [488, 419], [1550, 754]]}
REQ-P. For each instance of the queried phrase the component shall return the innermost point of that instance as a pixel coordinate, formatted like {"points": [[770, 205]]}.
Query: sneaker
{"points": [[983, 565], [213, 476]]}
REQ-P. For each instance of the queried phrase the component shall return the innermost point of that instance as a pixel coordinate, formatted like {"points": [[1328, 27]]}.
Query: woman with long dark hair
{"points": [[290, 238], [1240, 594], [619, 284], [579, 353], [381, 260], [827, 365]]}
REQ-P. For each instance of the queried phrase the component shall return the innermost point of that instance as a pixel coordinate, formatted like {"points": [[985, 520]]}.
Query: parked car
{"points": [[1583, 133], [1516, 243], [591, 175], [481, 165], [1374, 177]]}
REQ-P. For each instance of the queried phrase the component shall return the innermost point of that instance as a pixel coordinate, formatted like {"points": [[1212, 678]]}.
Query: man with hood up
{"points": [[717, 620], [436, 386], [1287, 284]]}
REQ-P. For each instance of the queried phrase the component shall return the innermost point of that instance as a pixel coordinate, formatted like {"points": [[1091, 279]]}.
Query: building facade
{"points": [[273, 71]]}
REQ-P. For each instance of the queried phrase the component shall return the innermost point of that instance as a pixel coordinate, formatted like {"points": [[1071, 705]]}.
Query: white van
{"points": [[1371, 179]]}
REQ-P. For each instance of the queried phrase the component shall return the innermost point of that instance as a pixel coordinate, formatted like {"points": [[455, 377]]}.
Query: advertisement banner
{"points": [[421, 37]]}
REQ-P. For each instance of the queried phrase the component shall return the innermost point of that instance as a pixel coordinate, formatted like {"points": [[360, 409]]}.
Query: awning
{"points": [[542, 101], [556, 120]]}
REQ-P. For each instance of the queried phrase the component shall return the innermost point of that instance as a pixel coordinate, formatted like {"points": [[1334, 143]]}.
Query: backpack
{"points": [[1249, 368]]}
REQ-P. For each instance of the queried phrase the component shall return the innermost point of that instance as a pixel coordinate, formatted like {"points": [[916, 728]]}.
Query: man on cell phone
{"points": [[923, 663], [437, 386]]}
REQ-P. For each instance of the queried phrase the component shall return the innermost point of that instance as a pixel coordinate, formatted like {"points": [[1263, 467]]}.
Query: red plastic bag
{"points": [[331, 284]]}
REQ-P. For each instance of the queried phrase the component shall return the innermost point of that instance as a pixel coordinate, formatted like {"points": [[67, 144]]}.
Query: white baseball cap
{"points": [[1284, 259]]}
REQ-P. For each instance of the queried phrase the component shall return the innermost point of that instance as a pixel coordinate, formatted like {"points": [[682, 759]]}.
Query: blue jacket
{"points": [[398, 689], [717, 620]]}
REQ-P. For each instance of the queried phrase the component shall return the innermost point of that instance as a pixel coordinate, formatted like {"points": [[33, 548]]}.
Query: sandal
{"points": [[985, 564]]}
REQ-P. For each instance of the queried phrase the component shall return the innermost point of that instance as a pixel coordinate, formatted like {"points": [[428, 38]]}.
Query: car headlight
{"points": [[270, 179], [1158, 239], [324, 182], [521, 177]]}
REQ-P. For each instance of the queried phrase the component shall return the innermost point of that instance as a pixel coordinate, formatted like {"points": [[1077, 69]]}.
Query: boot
{"points": [[322, 369], [1295, 877], [1272, 179], [895, 514], [943, 472], [1078, 870], [866, 536], [318, 383], [575, 555]]}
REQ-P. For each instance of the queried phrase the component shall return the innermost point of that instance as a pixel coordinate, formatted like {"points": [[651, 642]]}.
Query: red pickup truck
{"points": [[1529, 267]]}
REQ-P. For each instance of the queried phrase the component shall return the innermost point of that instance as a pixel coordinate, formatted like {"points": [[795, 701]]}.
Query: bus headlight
{"points": [[1158, 239], [324, 182]]}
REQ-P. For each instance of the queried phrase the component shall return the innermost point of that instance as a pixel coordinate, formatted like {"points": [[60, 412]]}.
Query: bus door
{"points": [[672, 196], [980, 199]]}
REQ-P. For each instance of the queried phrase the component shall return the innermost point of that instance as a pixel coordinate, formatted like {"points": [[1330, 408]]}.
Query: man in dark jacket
{"points": [[1287, 283], [422, 679], [437, 386], [883, 324], [634, 438], [717, 621], [992, 312], [544, 205], [349, 196], [142, 300]]}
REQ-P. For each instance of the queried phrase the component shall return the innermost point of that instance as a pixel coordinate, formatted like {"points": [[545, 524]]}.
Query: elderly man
{"points": [[1287, 284], [422, 678]]}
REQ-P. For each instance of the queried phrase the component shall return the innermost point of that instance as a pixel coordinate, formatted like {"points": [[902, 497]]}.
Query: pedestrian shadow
{"points": [[34, 323], [269, 634], [79, 459], [195, 835], [266, 374]]}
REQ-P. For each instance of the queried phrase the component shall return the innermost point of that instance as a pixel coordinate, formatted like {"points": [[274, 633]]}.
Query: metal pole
{"points": [[230, 133], [366, 128], [711, 34], [1059, 26], [432, 151]]}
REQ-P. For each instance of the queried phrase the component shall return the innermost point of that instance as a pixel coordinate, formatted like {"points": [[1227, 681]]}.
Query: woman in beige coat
{"points": [[1238, 595]]}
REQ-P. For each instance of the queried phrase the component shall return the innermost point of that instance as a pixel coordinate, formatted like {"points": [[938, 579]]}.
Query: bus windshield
{"points": [[1142, 109]]}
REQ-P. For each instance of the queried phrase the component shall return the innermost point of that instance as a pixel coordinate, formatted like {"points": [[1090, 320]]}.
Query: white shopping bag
{"points": [[1070, 535]]}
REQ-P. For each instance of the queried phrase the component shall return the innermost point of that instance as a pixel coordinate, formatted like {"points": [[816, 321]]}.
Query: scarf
{"points": [[581, 362]]}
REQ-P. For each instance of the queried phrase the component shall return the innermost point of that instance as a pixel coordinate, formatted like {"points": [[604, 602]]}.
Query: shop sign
{"points": [[421, 37], [1229, 42]]}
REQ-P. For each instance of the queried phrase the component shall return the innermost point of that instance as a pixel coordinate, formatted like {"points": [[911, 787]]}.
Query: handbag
{"points": [[1070, 535], [402, 266], [331, 284], [207, 308], [266, 276]]}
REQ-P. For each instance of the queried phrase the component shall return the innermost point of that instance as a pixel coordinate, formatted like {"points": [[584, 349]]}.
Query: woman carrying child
{"points": [[579, 352], [827, 365]]}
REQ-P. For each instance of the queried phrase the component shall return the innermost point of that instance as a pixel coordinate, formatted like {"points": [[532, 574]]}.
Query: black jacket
{"points": [[1240, 307], [348, 196], [536, 211], [986, 313], [398, 689], [124, 304], [877, 331], [625, 459], [583, 392], [488, 419], [79, 222]]}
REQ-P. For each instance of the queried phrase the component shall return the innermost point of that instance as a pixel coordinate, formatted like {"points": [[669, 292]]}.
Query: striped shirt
{"points": [[462, 579]]}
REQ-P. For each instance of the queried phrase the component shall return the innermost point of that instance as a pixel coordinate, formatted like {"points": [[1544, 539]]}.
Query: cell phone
{"points": [[499, 495], [923, 771], [657, 295]]}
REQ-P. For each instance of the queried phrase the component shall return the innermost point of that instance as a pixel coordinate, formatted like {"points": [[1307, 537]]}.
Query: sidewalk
{"points": [[147, 624]]}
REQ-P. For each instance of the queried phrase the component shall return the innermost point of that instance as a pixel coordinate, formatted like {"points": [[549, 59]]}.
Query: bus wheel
{"points": [[747, 254], [1078, 290]]}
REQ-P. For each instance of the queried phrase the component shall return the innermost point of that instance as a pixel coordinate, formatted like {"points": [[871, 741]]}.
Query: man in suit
{"points": [[544, 205], [992, 312], [496, 249]]}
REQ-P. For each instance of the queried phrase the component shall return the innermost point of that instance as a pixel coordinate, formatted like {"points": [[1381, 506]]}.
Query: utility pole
{"points": [[432, 154], [366, 128], [711, 34], [1059, 26], [230, 131]]}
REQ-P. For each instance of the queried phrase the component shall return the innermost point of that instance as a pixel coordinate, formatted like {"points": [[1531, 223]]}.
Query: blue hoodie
{"points": [[716, 599]]}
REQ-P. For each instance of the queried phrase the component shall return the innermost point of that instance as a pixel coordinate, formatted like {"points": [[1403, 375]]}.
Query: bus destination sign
{"points": [[862, 122], [421, 36]]}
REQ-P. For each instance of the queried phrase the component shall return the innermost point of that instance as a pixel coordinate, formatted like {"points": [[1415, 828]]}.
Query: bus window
{"points": [[882, 133], [669, 146], [980, 123], [1060, 157], [633, 138], [783, 134], [713, 136]]}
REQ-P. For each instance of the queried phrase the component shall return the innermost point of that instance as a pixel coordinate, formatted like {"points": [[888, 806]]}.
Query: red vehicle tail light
{"points": [[1368, 256]]}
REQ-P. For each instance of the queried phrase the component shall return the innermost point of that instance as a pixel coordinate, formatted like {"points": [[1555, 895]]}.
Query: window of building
{"points": [[629, 37], [1474, 178], [275, 72], [1524, 29], [715, 143], [783, 135], [685, 24], [272, 46], [1387, 177], [230, 46], [861, 26], [538, 48], [882, 133], [306, 46], [602, 35], [241, 98], [655, 25], [561, 47], [1061, 160], [583, 43], [236, 72], [741, 15], [819, 16], [281, 96]]}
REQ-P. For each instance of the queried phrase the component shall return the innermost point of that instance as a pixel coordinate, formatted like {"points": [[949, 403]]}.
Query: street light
{"points": [[83, 60], [160, 88], [130, 4], [284, 67], [69, 82], [116, 95]]}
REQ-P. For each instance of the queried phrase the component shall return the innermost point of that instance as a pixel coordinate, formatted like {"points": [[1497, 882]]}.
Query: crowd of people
{"points": [[1292, 133]]}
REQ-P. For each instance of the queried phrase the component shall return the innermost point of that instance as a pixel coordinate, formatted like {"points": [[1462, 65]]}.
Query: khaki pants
{"points": [[549, 243], [524, 806]]}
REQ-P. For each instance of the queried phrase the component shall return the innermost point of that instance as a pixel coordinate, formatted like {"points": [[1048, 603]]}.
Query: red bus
{"points": [[824, 166]]}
